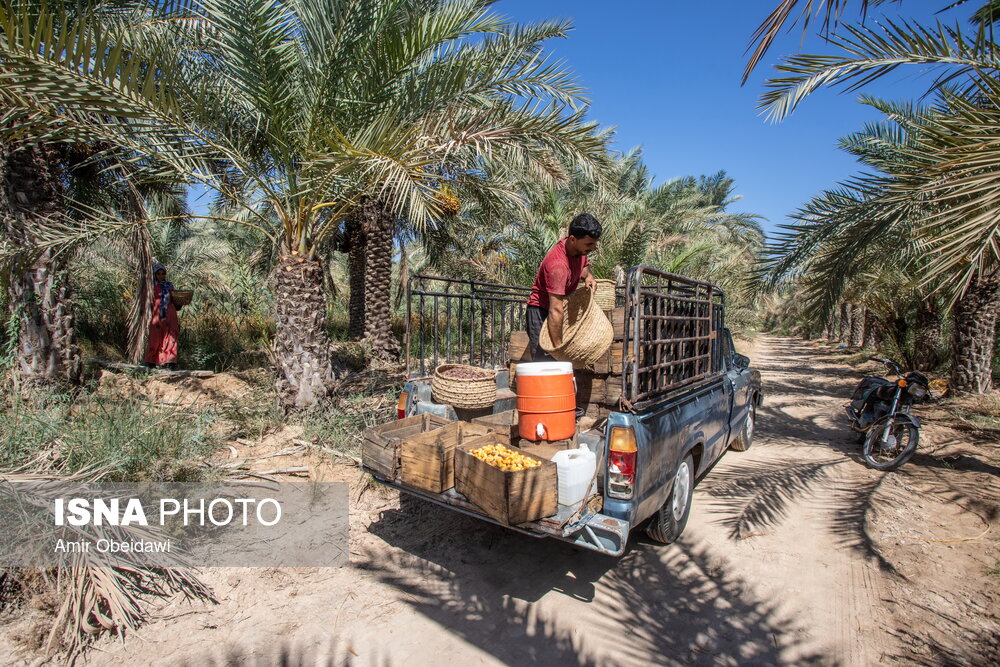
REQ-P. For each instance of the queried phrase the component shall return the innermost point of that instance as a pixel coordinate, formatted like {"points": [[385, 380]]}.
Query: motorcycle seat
{"points": [[865, 387]]}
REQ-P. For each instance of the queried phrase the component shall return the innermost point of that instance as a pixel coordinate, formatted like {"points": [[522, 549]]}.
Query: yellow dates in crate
{"points": [[507, 460]]}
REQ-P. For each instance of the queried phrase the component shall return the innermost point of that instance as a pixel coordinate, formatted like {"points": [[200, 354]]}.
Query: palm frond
{"points": [[768, 30], [871, 54]]}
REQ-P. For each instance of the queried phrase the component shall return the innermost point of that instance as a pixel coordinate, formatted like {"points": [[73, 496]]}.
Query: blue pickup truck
{"points": [[687, 397]]}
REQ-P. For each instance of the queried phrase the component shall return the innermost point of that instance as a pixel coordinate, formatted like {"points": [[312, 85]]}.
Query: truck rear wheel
{"points": [[742, 442], [669, 521]]}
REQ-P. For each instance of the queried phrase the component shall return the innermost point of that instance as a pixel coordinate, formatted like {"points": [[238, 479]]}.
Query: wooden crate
{"points": [[504, 425], [597, 410], [617, 317], [612, 391], [518, 351], [508, 497], [590, 388], [380, 447], [428, 459], [546, 450], [612, 362]]}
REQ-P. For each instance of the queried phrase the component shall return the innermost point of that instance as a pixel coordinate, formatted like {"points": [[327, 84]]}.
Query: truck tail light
{"points": [[401, 405], [621, 463]]}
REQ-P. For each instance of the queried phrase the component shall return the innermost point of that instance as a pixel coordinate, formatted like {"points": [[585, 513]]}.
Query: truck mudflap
{"points": [[592, 530]]}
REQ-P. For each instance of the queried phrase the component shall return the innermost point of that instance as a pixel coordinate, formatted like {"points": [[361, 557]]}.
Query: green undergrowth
{"points": [[131, 439], [253, 416], [979, 412], [338, 425]]}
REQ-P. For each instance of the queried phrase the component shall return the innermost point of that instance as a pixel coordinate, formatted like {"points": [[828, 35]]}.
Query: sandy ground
{"points": [[795, 553]]}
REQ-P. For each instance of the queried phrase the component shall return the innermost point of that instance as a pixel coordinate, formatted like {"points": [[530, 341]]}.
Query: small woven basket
{"points": [[605, 294], [587, 332], [466, 393], [182, 297]]}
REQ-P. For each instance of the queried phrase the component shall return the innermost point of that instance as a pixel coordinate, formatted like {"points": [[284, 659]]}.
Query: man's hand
{"points": [[588, 279]]}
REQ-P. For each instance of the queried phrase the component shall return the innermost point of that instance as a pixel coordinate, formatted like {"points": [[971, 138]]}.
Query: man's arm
{"points": [[557, 308], [588, 278]]}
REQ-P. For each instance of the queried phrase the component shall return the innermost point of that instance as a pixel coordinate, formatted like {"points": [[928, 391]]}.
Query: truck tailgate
{"points": [[586, 528]]}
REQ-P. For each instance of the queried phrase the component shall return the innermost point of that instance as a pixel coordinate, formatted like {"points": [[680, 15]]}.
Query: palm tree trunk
{"points": [[829, 328], [301, 342], [357, 270], [140, 310], [404, 275], [857, 327], [900, 331], [927, 337], [380, 225], [844, 330], [974, 334], [873, 335], [40, 294]]}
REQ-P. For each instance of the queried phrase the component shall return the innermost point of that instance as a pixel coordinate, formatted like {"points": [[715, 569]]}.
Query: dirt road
{"points": [[794, 553]]}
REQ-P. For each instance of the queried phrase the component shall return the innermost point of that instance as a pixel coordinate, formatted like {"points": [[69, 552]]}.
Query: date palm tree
{"points": [[304, 114], [876, 222], [943, 185], [683, 226], [39, 293]]}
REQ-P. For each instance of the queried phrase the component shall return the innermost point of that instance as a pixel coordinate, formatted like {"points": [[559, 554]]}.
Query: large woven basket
{"points": [[605, 295], [587, 333], [182, 297], [466, 393]]}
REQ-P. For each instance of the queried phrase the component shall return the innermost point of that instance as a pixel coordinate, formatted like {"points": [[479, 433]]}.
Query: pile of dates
{"points": [[466, 373]]}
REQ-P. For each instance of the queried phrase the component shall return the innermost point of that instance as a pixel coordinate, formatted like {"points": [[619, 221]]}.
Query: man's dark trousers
{"points": [[535, 316]]}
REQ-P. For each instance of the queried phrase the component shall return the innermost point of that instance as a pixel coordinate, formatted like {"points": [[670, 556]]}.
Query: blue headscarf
{"points": [[165, 289]]}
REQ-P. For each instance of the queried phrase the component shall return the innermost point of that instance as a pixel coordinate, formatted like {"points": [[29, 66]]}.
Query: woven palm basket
{"points": [[464, 392], [587, 332], [182, 297], [605, 295]]}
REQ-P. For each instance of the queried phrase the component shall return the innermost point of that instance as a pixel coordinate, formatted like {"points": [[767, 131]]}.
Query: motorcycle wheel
{"points": [[890, 455]]}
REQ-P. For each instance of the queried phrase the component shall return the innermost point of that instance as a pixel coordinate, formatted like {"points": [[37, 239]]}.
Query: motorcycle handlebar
{"points": [[890, 364]]}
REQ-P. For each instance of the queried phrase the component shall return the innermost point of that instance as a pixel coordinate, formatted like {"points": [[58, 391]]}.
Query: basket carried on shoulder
{"points": [[182, 297], [587, 332], [469, 393], [605, 294]]}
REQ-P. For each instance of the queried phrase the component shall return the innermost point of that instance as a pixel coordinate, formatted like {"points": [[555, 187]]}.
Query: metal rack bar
{"points": [[458, 319]]}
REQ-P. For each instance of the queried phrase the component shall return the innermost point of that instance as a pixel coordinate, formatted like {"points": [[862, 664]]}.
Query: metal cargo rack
{"points": [[671, 334], [460, 321], [672, 325]]}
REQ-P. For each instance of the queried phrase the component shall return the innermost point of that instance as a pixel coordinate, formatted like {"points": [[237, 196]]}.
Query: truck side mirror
{"points": [[741, 361]]}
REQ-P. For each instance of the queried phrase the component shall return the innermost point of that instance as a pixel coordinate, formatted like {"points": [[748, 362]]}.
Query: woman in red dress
{"points": [[164, 329]]}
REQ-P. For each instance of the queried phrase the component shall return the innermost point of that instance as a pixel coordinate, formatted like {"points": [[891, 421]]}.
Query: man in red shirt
{"points": [[557, 278]]}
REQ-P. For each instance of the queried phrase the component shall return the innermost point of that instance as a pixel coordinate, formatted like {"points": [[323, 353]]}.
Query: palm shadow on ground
{"points": [[752, 497], [952, 642], [492, 587]]}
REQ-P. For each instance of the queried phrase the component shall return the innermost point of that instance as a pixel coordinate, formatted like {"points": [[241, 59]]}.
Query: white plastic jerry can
{"points": [[576, 469]]}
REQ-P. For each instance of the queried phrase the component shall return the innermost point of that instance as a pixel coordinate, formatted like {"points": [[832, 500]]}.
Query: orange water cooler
{"points": [[546, 400]]}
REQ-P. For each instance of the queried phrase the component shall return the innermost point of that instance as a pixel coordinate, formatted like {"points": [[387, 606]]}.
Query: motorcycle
{"points": [[880, 413]]}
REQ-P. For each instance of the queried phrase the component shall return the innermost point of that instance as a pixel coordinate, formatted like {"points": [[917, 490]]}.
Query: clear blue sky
{"points": [[667, 75]]}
